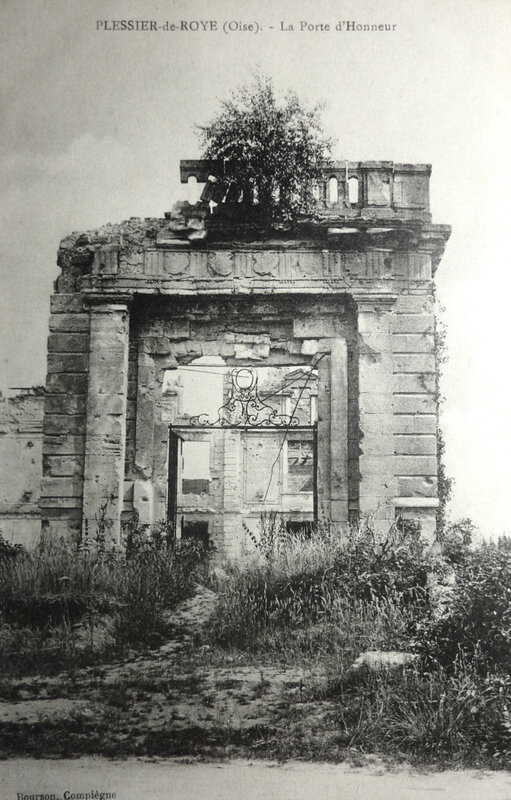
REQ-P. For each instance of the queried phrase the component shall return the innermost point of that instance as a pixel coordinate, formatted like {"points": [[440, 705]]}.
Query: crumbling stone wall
{"points": [[21, 429]]}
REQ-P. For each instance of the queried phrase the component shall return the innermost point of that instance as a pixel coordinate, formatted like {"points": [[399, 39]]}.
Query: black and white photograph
{"points": [[255, 534]]}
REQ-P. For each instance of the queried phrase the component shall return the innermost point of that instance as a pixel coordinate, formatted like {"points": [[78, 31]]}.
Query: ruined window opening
{"points": [[302, 528], [333, 191], [300, 466], [353, 190], [193, 190], [196, 473]]}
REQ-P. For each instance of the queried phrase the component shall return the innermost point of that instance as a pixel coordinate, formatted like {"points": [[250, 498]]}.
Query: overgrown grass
{"points": [[329, 598], [338, 589], [317, 601], [434, 716], [62, 606]]}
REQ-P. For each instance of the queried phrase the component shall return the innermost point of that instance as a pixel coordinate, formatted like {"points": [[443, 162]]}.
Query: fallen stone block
{"points": [[381, 661]]}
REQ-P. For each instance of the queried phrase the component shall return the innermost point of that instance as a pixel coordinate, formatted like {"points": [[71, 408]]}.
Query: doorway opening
{"points": [[242, 442]]}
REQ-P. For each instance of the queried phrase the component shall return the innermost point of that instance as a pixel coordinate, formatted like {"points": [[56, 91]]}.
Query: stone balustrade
{"points": [[351, 189]]}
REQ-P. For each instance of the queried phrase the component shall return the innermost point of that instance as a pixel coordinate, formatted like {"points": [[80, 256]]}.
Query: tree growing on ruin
{"points": [[272, 148]]}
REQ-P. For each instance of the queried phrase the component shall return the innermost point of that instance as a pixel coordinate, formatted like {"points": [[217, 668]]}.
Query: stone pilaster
{"points": [[105, 437], [376, 407], [339, 431], [324, 455], [143, 498]]}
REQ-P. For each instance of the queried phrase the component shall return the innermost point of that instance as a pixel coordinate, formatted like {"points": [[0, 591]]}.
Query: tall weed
{"points": [[61, 605], [433, 715], [333, 579]]}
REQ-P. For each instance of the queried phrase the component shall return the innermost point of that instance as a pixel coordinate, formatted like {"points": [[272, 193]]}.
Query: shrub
{"points": [[10, 551], [477, 623], [456, 540]]}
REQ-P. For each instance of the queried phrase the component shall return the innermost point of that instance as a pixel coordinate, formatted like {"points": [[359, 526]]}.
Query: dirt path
{"points": [[171, 780], [166, 702]]}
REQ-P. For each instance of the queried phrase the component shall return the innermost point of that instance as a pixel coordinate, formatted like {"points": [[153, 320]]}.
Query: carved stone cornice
{"points": [[98, 301], [374, 302]]}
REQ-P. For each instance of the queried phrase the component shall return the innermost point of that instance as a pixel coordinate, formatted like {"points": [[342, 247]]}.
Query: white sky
{"points": [[93, 126]]}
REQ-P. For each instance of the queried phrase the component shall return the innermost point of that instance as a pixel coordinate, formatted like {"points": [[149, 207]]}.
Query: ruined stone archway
{"points": [[350, 287]]}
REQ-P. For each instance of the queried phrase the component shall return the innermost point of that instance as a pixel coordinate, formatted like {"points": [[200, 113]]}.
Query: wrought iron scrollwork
{"points": [[244, 408]]}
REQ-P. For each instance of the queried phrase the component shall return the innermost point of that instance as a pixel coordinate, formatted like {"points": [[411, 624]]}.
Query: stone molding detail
{"points": [[220, 263]]}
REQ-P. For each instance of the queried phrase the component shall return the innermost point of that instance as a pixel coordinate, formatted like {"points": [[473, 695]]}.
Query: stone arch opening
{"points": [[272, 336], [193, 190], [333, 191], [353, 190]]}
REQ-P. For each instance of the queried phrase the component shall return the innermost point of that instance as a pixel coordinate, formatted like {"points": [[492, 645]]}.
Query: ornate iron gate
{"points": [[247, 412]]}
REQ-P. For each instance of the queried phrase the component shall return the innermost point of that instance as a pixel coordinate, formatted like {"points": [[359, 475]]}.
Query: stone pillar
{"points": [[143, 497], [377, 481], [324, 437], [339, 431], [151, 435], [332, 466], [105, 438]]}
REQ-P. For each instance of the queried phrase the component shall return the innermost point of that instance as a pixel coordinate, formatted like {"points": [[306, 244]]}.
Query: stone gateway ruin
{"points": [[204, 368]]}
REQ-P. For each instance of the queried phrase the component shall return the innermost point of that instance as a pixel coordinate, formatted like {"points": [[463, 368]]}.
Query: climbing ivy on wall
{"points": [[445, 483]]}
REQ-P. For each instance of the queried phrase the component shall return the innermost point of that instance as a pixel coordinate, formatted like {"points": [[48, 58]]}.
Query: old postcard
{"points": [[254, 530]]}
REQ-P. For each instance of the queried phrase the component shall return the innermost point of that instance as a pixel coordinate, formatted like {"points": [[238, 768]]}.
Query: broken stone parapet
{"points": [[347, 189]]}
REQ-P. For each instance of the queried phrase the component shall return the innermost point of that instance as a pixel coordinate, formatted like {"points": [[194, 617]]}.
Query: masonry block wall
{"points": [[349, 289], [21, 430], [65, 413]]}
